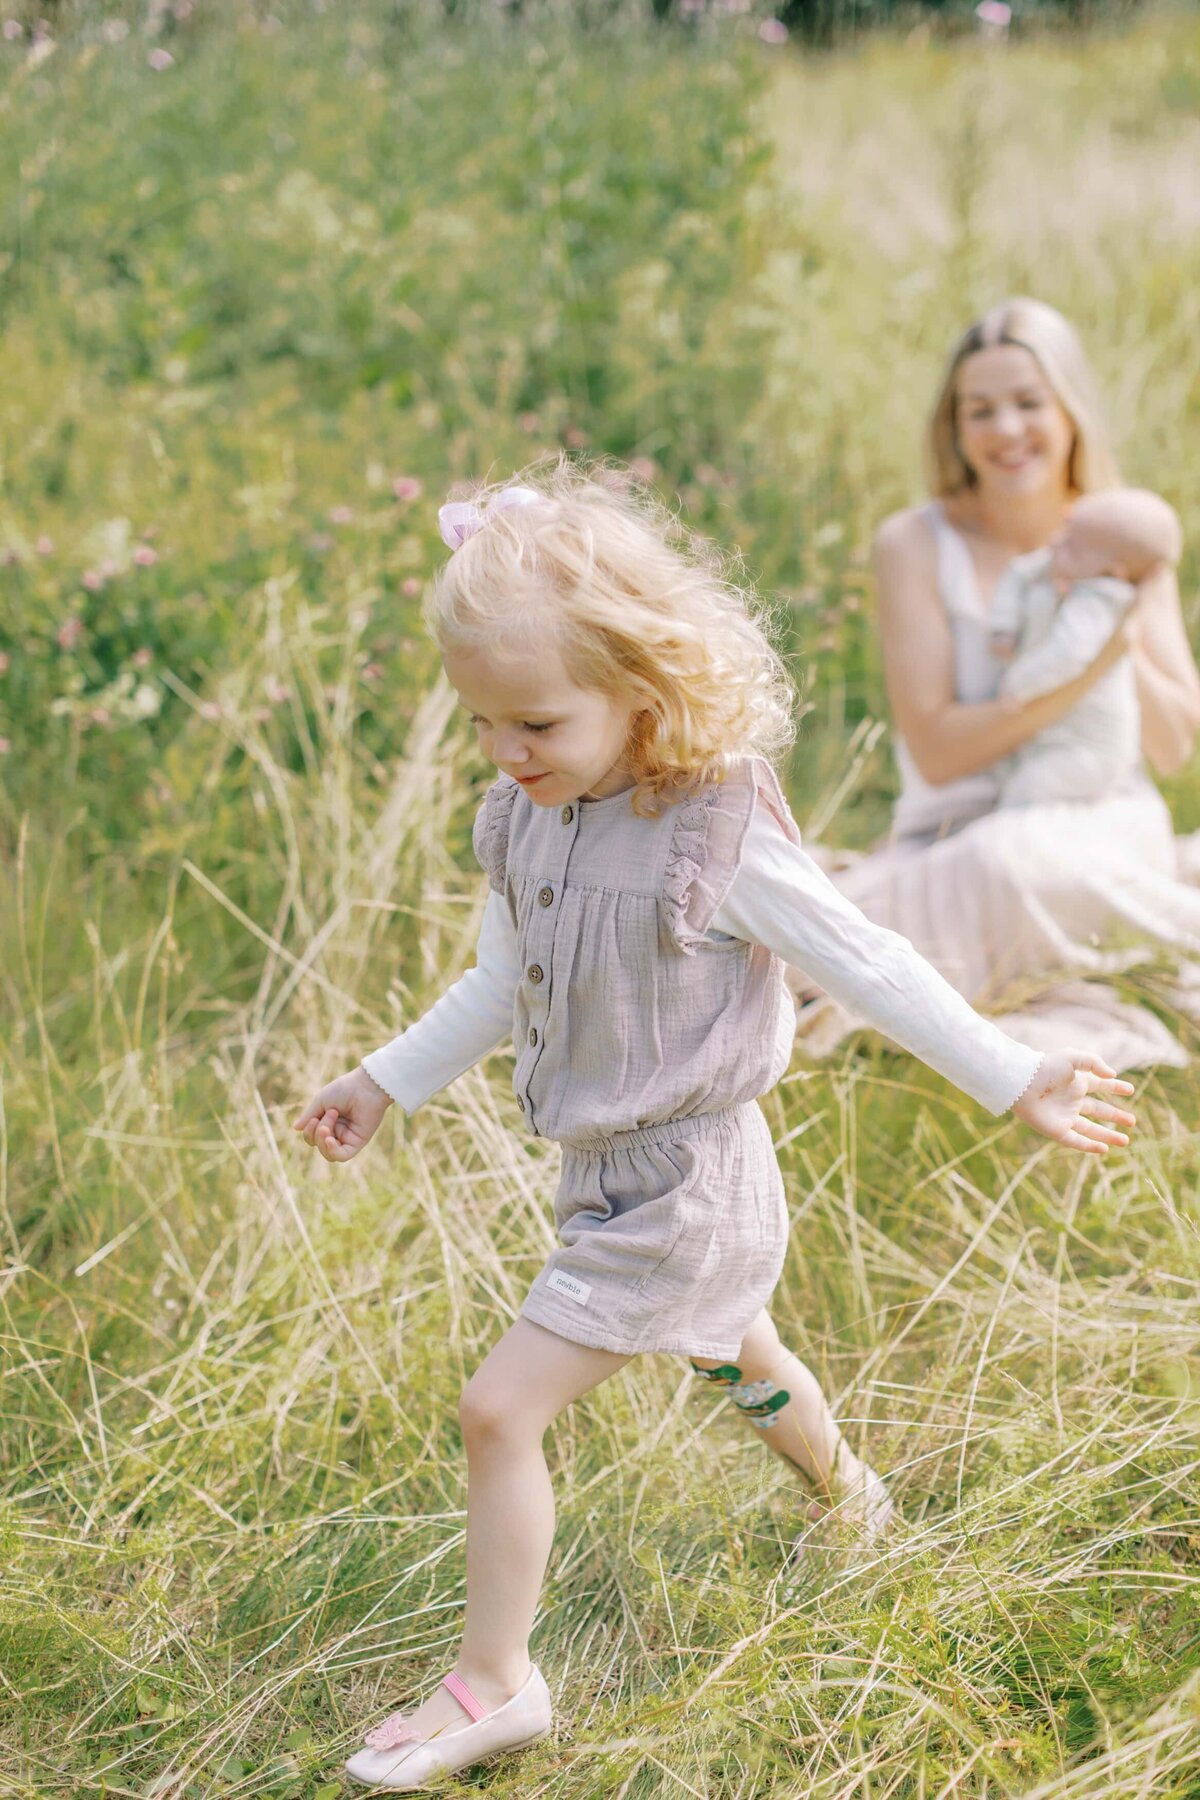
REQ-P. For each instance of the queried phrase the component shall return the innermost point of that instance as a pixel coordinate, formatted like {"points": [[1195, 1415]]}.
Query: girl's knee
{"points": [[488, 1412], [759, 1356]]}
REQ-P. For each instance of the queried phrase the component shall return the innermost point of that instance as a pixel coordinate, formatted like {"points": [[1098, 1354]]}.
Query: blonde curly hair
{"points": [[640, 609]]}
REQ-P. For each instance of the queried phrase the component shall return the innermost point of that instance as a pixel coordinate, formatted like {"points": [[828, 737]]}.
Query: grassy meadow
{"points": [[269, 284]]}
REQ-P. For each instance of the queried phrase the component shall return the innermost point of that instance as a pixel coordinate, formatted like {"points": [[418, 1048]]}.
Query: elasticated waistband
{"points": [[665, 1132]]}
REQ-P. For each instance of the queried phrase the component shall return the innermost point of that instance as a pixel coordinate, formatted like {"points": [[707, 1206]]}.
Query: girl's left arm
{"points": [[1168, 681], [783, 901]]}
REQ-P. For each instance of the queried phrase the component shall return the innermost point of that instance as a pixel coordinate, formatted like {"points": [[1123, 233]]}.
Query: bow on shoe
{"points": [[391, 1734]]}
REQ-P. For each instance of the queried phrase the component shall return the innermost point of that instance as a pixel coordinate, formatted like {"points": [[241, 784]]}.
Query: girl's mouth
{"points": [[528, 780]]}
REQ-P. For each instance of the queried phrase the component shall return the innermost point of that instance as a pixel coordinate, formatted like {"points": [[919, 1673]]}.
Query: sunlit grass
{"points": [[233, 1484]]}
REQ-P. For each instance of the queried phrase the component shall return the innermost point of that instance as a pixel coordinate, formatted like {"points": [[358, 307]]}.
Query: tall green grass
{"points": [[254, 288]]}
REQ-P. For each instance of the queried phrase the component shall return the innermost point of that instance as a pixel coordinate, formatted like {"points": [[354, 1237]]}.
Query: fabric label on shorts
{"points": [[562, 1283]]}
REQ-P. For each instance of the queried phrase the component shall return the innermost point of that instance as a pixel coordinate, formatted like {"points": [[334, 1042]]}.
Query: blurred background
{"points": [[271, 281]]}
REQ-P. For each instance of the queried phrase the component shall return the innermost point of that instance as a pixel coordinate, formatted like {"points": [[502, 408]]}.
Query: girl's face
{"points": [[1013, 430], [560, 741]]}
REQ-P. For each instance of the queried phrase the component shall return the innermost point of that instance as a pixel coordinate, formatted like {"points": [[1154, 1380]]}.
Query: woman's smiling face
{"points": [[1012, 429], [560, 741]]}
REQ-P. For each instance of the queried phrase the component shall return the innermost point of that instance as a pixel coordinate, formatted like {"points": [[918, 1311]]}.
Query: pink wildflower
{"points": [[341, 515], [100, 715], [407, 487], [92, 580], [45, 546], [410, 587], [69, 633], [575, 437], [773, 31], [160, 59], [994, 13], [145, 556], [276, 691], [208, 709], [644, 467], [141, 659], [13, 29], [5, 746]]}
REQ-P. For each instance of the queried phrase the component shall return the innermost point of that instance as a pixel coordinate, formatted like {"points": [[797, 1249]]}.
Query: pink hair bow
{"points": [[461, 519]]}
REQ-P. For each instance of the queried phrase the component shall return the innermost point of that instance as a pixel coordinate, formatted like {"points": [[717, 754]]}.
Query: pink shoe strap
{"points": [[464, 1696]]}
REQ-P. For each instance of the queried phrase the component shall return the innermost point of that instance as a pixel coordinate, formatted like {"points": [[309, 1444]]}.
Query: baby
{"points": [[1053, 611]]}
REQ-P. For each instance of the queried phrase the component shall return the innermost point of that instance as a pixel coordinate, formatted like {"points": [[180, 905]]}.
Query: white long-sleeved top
{"points": [[780, 899]]}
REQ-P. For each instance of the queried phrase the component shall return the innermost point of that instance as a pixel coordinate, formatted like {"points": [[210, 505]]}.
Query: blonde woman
{"points": [[1013, 906], [647, 887]]}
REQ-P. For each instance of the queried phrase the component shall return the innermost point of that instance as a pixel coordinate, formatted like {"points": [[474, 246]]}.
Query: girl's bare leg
{"points": [[523, 1383], [782, 1396]]}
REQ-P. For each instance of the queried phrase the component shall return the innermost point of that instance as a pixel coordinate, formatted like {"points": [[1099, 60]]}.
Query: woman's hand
{"points": [[344, 1116], [1066, 1082]]}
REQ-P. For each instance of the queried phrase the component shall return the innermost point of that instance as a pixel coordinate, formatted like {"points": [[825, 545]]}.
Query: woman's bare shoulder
{"points": [[904, 542]]}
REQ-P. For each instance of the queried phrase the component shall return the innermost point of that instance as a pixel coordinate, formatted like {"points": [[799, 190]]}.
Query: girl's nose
{"points": [[507, 747]]}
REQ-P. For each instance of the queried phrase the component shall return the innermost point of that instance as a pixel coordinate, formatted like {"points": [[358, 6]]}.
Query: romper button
{"points": [[567, 814], [533, 1034], [520, 1104], [534, 972], [546, 896]]}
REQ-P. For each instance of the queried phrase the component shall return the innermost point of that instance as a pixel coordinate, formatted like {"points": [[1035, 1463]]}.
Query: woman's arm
{"points": [[1168, 681], [945, 737]]}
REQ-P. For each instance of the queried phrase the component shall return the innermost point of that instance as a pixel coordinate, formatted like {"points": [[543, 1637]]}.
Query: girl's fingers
{"points": [[1074, 1141], [1100, 1134], [1100, 1109]]}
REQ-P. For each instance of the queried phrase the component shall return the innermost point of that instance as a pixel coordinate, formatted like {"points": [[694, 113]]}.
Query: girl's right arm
{"points": [[946, 737], [471, 1018]]}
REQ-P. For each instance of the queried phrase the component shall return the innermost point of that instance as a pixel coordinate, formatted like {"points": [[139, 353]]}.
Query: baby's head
{"points": [[599, 646], [1122, 532]]}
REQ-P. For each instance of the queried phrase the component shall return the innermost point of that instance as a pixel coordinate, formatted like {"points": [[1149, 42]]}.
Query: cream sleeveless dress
{"points": [[1023, 908]]}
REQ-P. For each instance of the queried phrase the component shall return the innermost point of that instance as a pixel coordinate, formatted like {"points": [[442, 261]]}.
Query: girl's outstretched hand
{"points": [[344, 1116], [1063, 1101]]}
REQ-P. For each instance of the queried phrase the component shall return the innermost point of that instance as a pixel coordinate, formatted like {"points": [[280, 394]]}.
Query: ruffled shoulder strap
{"points": [[490, 835], [706, 845]]}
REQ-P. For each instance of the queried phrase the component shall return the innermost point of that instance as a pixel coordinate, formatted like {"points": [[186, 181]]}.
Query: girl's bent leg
{"points": [[521, 1386], [782, 1397]]}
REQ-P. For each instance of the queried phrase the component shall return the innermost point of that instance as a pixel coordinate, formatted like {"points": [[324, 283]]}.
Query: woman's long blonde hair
{"points": [[638, 607], [1053, 343]]}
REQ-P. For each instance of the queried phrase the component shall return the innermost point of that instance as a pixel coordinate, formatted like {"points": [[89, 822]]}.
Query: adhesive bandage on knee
{"points": [[760, 1401]]}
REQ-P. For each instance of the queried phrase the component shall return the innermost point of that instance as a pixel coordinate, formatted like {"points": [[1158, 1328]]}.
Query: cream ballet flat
{"points": [[397, 1758]]}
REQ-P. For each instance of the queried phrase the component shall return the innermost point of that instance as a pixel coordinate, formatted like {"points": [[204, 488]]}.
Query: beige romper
{"points": [[642, 1045]]}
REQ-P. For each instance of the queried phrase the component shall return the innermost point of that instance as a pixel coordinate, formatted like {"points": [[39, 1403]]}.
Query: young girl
{"points": [[647, 887]]}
